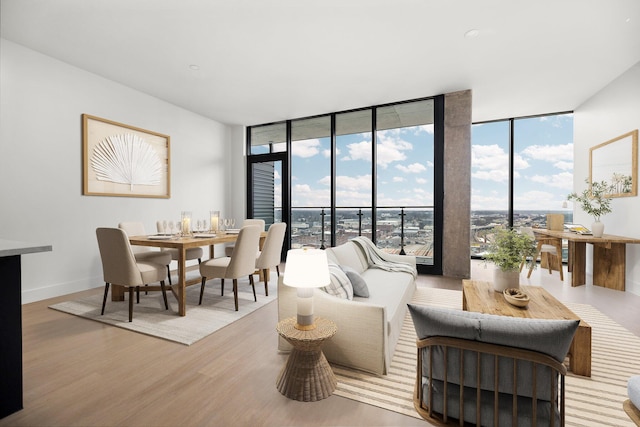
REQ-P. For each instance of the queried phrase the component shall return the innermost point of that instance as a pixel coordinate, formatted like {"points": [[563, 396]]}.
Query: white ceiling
{"points": [[267, 60]]}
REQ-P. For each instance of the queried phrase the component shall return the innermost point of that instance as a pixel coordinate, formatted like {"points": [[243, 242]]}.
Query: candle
{"points": [[214, 216]]}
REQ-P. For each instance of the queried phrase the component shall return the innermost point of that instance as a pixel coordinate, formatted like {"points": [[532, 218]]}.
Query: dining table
{"points": [[608, 257], [182, 243]]}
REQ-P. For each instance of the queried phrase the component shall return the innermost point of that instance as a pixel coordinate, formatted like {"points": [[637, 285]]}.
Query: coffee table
{"points": [[479, 296]]}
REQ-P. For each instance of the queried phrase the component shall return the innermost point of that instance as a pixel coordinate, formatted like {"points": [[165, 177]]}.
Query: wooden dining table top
{"points": [[193, 241]]}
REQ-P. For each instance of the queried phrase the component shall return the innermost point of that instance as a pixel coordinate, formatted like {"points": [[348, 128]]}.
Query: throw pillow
{"points": [[340, 284], [360, 288]]}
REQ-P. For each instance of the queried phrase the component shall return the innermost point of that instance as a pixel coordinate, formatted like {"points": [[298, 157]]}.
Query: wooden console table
{"points": [[609, 257], [11, 329], [480, 297]]}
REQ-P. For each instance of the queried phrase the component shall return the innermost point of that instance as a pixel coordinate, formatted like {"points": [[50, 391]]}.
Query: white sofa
{"points": [[368, 328]]}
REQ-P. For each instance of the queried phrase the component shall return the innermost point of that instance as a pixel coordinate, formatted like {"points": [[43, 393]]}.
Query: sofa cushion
{"points": [[360, 288], [350, 255], [551, 337], [340, 284]]}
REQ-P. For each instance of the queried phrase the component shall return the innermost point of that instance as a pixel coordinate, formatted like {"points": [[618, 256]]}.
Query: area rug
{"points": [[151, 318], [595, 401]]}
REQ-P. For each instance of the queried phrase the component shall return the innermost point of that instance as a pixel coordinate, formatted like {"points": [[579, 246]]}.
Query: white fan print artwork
{"points": [[126, 159]]}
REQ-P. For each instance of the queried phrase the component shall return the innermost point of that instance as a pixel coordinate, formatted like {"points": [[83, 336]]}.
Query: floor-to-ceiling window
{"points": [[366, 172], [354, 171], [522, 169]]}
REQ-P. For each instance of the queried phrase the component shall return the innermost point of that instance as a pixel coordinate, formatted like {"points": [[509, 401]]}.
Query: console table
{"points": [[11, 321], [609, 257]]}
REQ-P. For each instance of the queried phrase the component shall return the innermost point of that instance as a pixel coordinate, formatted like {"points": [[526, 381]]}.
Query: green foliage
{"points": [[593, 199], [508, 247]]}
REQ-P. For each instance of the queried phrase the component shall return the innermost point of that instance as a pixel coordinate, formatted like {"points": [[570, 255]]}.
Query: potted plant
{"points": [[594, 201], [507, 249]]}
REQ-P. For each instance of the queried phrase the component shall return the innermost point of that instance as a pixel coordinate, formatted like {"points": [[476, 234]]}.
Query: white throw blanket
{"points": [[376, 258]]}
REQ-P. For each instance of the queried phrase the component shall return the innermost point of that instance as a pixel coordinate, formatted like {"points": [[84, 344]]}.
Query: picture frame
{"points": [[616, 162], [124, 161]]}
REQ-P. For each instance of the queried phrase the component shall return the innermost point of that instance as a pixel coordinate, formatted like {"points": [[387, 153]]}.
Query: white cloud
{"points": [[550, 153], [276, 175], [562, 180], [306, 148], [567, 166], [304, 195], [412, 168], [491, 162], [391, 148], [497, 175], [359, 151], [398, 179], [421, 181]]}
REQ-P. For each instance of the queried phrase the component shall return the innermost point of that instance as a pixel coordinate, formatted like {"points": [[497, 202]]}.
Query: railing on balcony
{"points": [[403, 230]]}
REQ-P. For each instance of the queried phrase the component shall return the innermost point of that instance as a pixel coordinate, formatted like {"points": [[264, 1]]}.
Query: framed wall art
{"points": [[616, 163], [122, 160]]}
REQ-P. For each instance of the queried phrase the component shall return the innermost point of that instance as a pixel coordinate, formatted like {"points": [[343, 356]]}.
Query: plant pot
{"points": [[597, 229], [505, 279]]}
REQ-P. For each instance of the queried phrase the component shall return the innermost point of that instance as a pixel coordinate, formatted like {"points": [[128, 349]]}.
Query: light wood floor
{"points": [[82, 373]]}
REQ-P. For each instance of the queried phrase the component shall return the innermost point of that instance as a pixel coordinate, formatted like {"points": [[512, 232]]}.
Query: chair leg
{"points": [[235, 292], [104, 300], [199, 260], [138, 294], [131, 301], [278, 270], [535, 258], [266, 284], [204, 279], [164, 295], [253, 285], [221, 287], [169, 275]]}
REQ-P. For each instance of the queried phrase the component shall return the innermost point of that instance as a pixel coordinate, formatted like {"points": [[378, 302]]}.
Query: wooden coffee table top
{"points": [[479, 296]]}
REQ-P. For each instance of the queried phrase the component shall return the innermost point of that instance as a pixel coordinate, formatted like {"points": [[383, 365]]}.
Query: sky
{"points": [[404, 167], [543, 166], [543, 163]]}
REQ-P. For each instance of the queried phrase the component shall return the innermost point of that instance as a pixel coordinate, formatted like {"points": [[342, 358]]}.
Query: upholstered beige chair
{"points": [[242, 262], [145, 253], [271, 252], [119, 266], [249, 221], [550, 248]]}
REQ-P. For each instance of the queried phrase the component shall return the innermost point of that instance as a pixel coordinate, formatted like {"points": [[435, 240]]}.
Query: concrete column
{"points": [[457, 184]]}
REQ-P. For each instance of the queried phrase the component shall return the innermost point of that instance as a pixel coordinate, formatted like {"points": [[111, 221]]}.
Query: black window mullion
{"points": [[374, 176]]}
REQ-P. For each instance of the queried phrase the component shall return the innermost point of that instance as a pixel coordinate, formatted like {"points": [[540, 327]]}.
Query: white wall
{"points": [[41, 199], [613, 111]]}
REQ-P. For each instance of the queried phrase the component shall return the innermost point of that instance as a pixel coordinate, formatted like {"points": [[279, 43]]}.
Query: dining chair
{"points": [[120, 267], [271, 252], [551, 248], [249, 221], [242, 262], [145, 253]]}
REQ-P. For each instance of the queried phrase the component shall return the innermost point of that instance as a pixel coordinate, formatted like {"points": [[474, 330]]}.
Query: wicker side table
{"points": [[307, 375]]}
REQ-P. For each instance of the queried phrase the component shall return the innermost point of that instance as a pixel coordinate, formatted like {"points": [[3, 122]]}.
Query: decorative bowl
{"points": [[516, 297]]}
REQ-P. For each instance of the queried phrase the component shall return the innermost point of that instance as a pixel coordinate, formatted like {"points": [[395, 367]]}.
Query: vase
{"points": [[505, 279], [597, 229]]}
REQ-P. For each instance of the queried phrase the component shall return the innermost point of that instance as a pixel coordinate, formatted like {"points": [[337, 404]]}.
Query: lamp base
{"points": [[300, 327]]}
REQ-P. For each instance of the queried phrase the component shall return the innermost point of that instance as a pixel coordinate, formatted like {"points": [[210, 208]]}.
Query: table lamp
{"points": [[306, 269]]}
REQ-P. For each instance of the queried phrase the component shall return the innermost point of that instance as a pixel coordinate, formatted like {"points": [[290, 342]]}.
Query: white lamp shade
{"points": [[306, 268]]}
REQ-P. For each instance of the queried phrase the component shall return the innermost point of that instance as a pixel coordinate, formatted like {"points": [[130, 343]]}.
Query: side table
{"points": [[307, 375]]}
